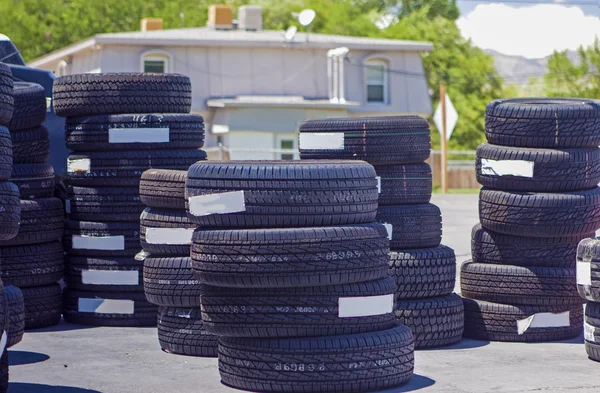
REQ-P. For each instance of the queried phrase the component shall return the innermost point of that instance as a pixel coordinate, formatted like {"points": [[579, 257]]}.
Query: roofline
{"points": [[105, 39], [61, 53], [321, 104]]}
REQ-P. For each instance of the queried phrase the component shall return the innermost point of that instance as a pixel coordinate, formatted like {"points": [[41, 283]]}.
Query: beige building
{"points": [[255, 87]]}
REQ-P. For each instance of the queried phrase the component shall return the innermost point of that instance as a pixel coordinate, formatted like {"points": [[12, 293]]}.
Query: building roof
{"points": [[248, 101], [205, 36]]}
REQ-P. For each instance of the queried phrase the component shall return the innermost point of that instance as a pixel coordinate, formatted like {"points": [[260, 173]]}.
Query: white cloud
{"points": [[532, 31]]}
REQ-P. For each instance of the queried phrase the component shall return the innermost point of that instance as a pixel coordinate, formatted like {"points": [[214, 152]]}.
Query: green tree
{"points": [[467, 71], [445, 8], [566, 78]]}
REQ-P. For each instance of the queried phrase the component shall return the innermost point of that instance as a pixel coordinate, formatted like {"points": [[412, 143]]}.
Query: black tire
{"points": [[500, 249], [4, 372], [123, 309], [30, 106], [16, 309], [533, 122], [588, 270], [166, 232], [31, 146], [42, 221], [180, 331], [299, 312], [591, 330], [6, 95], [43, 306], [10, 213], [109, 132], [280, 194], [405, 184], [498, 322], [32, 265], [294, 257], [104, 274], [413, 226], [423, 273], [170, 282], [592, 350], [97, 94], [337, 364], [6, 153], [34, 180], [541, 286], [546, 170], [539, 214], [371, 139], [104, 204], [434, 322], [124, 168], [163, 188], [124, 238]]}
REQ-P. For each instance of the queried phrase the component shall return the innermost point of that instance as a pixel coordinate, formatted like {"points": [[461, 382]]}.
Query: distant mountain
{"points": [[517, 69]]}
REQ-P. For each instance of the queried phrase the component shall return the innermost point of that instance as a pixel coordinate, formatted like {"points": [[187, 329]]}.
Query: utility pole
{"points": [[444, 146]]}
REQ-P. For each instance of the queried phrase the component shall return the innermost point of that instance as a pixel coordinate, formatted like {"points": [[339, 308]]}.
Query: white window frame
{"points": [[156, 55], [378, 61]]}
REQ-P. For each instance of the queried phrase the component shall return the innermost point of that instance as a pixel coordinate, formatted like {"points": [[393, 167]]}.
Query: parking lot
{"points": [[77, 359]]}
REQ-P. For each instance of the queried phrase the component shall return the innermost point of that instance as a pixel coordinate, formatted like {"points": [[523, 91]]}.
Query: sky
{"points": [[533, 29]]}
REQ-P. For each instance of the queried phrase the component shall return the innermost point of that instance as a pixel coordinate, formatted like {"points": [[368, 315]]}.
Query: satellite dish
{"points": [[306, 17], [290, 33]]}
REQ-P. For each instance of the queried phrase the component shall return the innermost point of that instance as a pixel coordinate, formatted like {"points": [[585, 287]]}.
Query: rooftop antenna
{"points": [[305, 18], [290, 33]]}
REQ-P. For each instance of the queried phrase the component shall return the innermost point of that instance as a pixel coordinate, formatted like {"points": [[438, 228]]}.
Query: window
{"points": [[287, 144], [376, 81], [156, 62]]}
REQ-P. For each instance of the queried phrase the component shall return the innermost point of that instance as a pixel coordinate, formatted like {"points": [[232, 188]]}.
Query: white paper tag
{"points": [[543, 320], [68, 205], [378, 184], [106, 243], [224, 203], [110, 277], [106, 306], [589, 332], [169, 235], [138, 135], [389, 228], [321, 141], [79, 165], [3, 342], [584, 273], [507, 168], [365, 306]]}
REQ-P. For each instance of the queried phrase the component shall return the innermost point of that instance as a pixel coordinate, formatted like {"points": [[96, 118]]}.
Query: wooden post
{"points": [[444, 145]]}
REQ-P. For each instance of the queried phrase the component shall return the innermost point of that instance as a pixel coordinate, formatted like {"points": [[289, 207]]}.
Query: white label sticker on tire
{"points": [[589, 332], [106, 306], [3, 342], [224, 203], [365, 306], [321, 141], [378, 184], [584, 273], [389, 228], [106, 243], [169, 235], [507, 168], [138, 135], [543, 320], [110, 277], [77, 165]]}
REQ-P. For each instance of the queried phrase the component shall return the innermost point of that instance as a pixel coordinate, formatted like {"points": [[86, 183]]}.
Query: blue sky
{"points": [[533, 29]]}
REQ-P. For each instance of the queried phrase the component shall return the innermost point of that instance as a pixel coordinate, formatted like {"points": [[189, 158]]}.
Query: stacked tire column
{"points": [[424, 270], [33, 261], [295, 276], [166, 235], [118, 126], [540, 172], [10, 211]]}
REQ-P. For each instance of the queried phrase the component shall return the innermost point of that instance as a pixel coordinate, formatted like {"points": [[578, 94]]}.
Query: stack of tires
{"points": [[540, 172], [295, 276], [34, 260], [424, 270], [118, 126], [166, 235], [588, 285], [10, 212]]}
